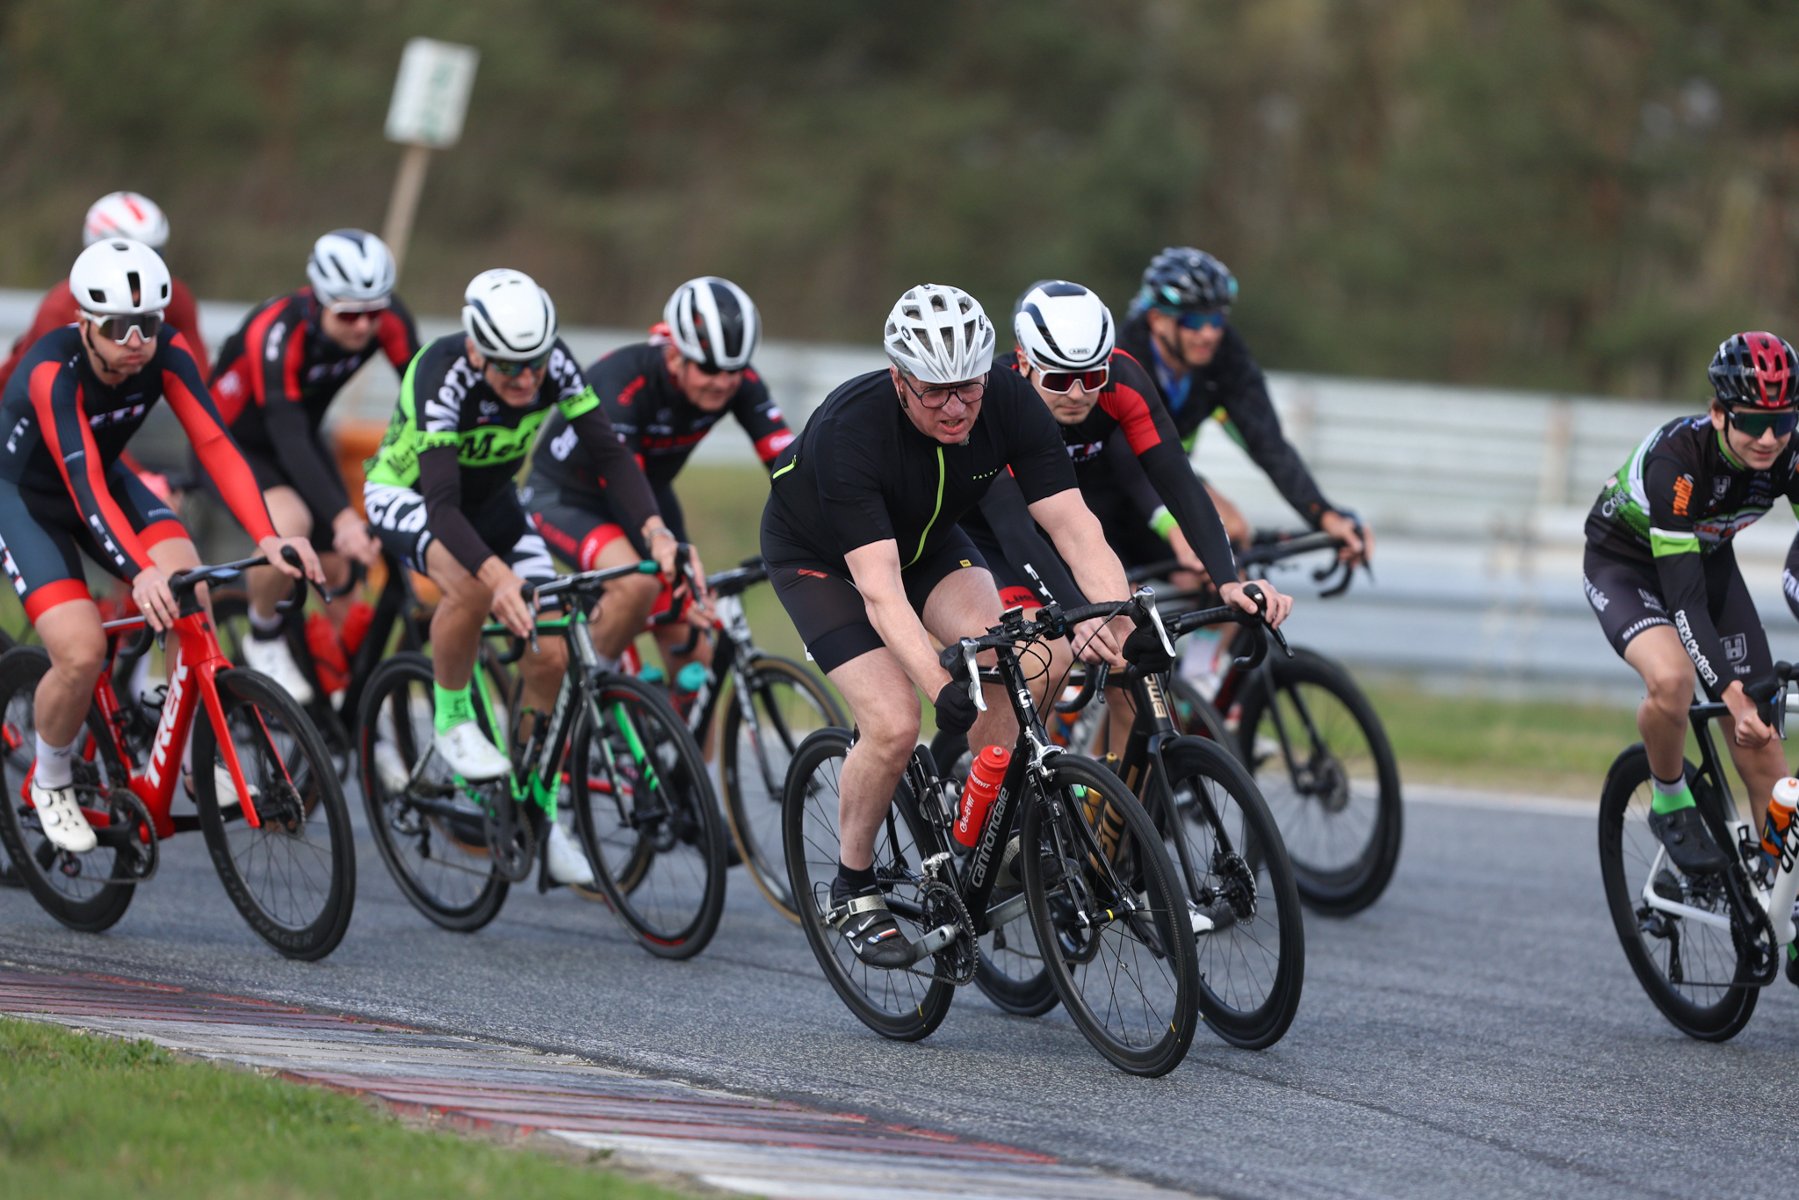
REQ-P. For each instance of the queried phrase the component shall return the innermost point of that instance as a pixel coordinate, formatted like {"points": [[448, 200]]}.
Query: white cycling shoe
{"points": [[469, 754], [274, 659], [61, 819], [224, 789], [567, 861]]}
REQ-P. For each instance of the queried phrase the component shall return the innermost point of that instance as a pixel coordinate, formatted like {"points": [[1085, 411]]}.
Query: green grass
{"points": [[85, 1116]]}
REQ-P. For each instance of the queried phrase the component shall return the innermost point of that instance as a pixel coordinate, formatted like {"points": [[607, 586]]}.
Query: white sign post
{"points": [[429, 102]]}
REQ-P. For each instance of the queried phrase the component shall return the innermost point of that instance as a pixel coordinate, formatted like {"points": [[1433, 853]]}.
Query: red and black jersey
{"points": [[58, 308], [61, 429], [277, 375]]}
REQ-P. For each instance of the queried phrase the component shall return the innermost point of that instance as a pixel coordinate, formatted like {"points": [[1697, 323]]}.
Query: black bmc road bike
{"points": [[1064, 843], [1702, 946]]}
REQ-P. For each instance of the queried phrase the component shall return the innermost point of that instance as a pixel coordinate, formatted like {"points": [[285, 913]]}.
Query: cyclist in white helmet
{"points": [[440, 495], [864, 551]]}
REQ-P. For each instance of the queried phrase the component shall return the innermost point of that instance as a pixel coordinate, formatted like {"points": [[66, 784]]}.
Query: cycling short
{"points": [[269, 474], [577, 527], [1129, 535], [41, 531], [829, 612], [1016, 587], [397, 515], [1626, 597]]}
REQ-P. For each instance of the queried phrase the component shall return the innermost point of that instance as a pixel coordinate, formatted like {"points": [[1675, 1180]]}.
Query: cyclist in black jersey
{"points": [[863, 549], [1661, 575], [1179, 330], [440, 493], [65, 416], [663, 396], [275, 380]]}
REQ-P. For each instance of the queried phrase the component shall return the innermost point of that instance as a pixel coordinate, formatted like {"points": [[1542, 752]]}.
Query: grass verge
{"points": [[86, 1116]]}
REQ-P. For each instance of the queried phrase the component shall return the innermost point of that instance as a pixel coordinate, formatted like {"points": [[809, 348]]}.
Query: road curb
{"points": [[734, 1143]]}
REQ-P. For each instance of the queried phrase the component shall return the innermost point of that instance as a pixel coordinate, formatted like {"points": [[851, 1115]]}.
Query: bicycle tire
{"points": [[899, 1004], [1194, 715], [1341, 815], [1081, 885], [753, 771], [1660, 946], [1011, 972], [1234, 867], [436, 854], [303, 826], [86, 892], [648, 817]]}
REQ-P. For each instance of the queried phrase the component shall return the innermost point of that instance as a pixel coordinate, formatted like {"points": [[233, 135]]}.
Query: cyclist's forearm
{"points": [[903, 633]]}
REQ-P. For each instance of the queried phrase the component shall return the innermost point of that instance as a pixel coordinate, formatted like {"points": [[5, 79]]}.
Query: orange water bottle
{"points": [[984, 776], [1780, 816]]}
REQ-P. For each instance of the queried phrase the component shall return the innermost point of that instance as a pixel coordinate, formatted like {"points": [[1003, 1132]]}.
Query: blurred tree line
{"points": [[1582, 195]]}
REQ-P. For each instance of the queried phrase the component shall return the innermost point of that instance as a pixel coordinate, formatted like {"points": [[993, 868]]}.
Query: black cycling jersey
{"points": [[861, 472], [278, 374], [1234, 383], [1128, 411], [656, 422], [1678, 501], [453, 439], [63, 429]]}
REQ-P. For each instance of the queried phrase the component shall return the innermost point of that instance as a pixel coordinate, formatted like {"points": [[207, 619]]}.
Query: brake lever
{"points": [[1148, 598], [974, 676]]}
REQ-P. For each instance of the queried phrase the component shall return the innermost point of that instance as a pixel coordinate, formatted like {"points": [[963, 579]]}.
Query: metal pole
{"points": [[409, 183]]}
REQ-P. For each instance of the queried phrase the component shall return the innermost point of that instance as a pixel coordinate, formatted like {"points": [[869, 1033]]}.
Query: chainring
{"points": [[511, 840], [940, 904]]}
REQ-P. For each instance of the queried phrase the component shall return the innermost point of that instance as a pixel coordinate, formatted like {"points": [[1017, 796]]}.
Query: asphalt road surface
{"points": [[1475, 1033]]}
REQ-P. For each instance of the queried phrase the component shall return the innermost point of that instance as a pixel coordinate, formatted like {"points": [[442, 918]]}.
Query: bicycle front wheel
{"points": [[903, 1004], [1322, 760], [1110, 917], [1250, 943], [648, 817], [430, 830], [787, 703], [1692, 964]]}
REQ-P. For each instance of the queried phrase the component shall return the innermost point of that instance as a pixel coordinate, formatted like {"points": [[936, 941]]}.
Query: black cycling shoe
{"points": [[868, 925], [1688, 844]]}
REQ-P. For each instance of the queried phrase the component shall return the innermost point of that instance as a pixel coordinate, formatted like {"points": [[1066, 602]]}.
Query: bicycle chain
{"points": [[961, 953], [512, 842]]}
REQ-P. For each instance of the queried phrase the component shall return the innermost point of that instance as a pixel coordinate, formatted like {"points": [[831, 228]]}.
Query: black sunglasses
{"points": [[1754, 424], [512, 368]]}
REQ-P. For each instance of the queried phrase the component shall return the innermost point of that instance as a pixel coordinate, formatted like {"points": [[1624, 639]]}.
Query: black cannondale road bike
{"points": [[1064, 843]]}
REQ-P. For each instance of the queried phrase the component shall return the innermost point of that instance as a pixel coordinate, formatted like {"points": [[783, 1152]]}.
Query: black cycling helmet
{"points": [[1182, 279], [1756, 370]]}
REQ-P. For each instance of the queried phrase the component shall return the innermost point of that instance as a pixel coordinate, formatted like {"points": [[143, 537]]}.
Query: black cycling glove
{"points": [[955, 708]]}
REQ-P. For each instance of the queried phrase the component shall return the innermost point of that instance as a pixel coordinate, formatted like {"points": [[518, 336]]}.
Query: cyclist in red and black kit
{"points": [[864, 552], [114, 215], [276, 378], [1179, 329], [65, 416], [1661, 575], [663, 396]]}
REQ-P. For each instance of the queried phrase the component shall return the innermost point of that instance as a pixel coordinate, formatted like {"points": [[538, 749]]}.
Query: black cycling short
{"points": [[397, 515], [1017, 589], [40, 533], [269, 474], [829, 612], [1626, 597]]}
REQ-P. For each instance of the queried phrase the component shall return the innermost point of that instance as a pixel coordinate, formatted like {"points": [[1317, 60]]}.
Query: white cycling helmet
{"points": [[508, 315], [126, 215], [350, 266], [939, 334], [713, 322], [1063, 326], [120, 277]]}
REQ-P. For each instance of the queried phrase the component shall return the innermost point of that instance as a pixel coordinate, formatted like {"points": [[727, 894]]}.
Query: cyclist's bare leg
{"points": [[966, 604], [1761, 767], [71, 633], [627, 603], [542, 669], [1657, 655], [456, 624], [885, 704], [268, 587]]}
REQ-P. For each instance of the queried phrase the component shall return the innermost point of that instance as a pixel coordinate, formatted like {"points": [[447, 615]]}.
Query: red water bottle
{"points": [[356, 625], [984, 775], [327, 653]]}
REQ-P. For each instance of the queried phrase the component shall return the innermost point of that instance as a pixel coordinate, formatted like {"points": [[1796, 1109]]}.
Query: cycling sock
{"points": [[265, 629], [454, 706], [1670, 797], [859, 879], [55, 764]]}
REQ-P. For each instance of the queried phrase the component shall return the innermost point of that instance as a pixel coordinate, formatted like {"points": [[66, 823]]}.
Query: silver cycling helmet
{"points": [[351, 267], [713, 322], [126, 215], [939, 334]]}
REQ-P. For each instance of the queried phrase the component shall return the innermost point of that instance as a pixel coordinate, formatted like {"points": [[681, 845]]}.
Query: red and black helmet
{"points": [[1755, 370]]}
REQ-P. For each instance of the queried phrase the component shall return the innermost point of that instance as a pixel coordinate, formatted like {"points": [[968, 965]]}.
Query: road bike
{"points": [[612, 748], [282, 845], [1065, 843]]}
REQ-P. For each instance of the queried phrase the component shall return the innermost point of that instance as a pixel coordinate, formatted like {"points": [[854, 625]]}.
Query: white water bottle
{"points": [[1786, 878]]}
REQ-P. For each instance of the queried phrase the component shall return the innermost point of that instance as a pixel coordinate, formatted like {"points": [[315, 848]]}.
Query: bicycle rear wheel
{"points": [[1193, 714], [430, 831], [648, 817], [293, 875], [1113, 922], [1236, 875], [788, 703], [899, 1004], [87, 892], [1692, 966], [1322, 760]]}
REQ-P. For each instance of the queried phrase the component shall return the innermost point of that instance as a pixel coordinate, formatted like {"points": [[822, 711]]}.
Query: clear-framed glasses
{"points": [[936, 396]]}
